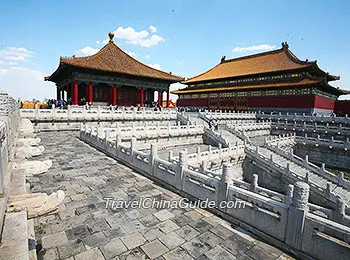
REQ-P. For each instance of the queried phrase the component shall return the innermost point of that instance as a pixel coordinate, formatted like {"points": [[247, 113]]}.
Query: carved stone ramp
{"points": [[314, 179], [230, 138], [195, 118]]}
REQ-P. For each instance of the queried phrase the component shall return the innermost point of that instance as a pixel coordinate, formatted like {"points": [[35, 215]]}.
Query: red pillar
{"points": [[167, 98], [114, 103], [75, 93], [90, 93], [159, 98], [142, 99]]}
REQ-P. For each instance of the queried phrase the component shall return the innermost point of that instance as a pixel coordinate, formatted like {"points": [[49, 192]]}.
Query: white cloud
{"points": [[261, 47], [8, 63], [87, 50], [155, 66], [26, 84], [153, 29], [97, 42], [176, 86], [16, 54], [141, 38], [130, 34], [180, 62], [152, 41], [147, 56]]}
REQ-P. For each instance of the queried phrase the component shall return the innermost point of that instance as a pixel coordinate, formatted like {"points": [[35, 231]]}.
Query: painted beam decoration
{"points": [[97, 76], [273, 81]]}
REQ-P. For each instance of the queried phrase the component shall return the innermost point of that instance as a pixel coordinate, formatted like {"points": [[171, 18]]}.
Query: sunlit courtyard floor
{"points": [[83, 228]]}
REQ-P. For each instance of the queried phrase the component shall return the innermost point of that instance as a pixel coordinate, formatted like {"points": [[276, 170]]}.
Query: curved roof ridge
{"points": [[294, 58], [111, 58], [266, 62], [254, 55], [141, 62]]}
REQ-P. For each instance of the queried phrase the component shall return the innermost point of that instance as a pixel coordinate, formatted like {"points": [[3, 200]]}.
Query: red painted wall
{"points": [[324, 103], [307, 101], [282, 101], [188, 102], [342, 107]]}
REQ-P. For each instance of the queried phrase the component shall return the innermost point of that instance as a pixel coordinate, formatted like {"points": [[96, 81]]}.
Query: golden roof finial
{"points": [[111, 35]]}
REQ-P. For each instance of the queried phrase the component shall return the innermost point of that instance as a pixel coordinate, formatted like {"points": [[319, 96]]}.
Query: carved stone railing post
{"points": [[99, 113], [306, 161], [53, 112], [133, 144], [204, 166], [289, 195], [209, 151], [118, 140], [36, 108], [183, 164], [170, 156], [254, 183], [107, 135], [153, 155], [198, 153], [296, 215], [339, 212], [68, 113], [224, 184]]}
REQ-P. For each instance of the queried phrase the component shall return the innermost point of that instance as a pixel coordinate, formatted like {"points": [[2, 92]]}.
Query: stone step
{"points": [[14, 240], [301, 171], [343, 193], [314, 178]]}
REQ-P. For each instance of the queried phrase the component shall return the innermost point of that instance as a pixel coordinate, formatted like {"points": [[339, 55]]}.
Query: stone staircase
{"points": [[303, 172], [195, 118], [231, 138]]}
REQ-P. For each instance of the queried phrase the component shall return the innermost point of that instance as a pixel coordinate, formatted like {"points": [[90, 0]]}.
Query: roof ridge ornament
{"points": [[285, 45], [223, 58], [111, 36]]}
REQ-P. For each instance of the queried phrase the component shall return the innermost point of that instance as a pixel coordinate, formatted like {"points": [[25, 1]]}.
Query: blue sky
{"points": [[184, 37]]}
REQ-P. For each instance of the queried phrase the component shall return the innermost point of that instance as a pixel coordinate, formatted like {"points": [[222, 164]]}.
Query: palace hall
{"points": [[271, 81], [110, 76]]}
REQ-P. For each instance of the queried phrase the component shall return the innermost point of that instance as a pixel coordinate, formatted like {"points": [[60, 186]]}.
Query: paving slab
{"points": [[93, 254], [113, 248], [54, 240], [172, 240], [133, 240], [88, 176], [154, 249], [177, 254]]}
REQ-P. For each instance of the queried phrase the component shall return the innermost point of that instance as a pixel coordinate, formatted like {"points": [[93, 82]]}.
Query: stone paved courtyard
{"points": [[84, 229]]}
